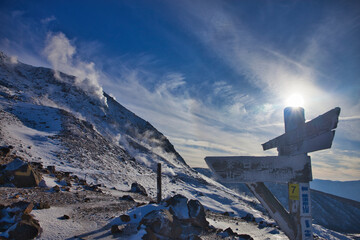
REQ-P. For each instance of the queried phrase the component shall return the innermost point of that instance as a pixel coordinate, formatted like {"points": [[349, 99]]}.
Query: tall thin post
{"points": [[158, 182], [299, 193]]}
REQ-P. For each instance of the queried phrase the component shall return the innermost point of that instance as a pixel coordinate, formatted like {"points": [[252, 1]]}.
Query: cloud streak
{"points": [[257, 61], [195, 128]]}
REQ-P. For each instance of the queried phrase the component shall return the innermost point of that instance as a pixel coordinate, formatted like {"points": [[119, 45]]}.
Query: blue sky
{"points": [[213, 76]]}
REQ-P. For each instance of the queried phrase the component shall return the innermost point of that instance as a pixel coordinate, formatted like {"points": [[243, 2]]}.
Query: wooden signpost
{"points": [[265, 169], [292, 166]]}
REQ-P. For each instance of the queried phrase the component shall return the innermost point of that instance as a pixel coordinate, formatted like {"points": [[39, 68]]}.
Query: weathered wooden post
{"points": [[291, 166], [294, 118], [158, 182]]}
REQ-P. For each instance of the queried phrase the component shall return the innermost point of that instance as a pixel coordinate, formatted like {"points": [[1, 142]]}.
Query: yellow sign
{"points": [[294, 191]]}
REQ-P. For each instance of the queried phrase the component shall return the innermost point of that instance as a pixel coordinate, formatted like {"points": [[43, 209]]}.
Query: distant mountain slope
{"points": [[345, 189], [336, 213]]}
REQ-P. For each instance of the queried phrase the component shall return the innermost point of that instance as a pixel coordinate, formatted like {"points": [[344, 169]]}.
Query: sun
{"points": [[295, 100]]}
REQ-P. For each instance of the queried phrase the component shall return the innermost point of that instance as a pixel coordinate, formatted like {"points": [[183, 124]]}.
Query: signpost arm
{"points": [[274, 207]]}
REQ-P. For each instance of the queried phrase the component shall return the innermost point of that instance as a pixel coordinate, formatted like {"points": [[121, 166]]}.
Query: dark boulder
{"points": [[161, 222], [42, 205], [137, 188], [51, 169], [197, 214], [116, 229], [27, 228], [5, 154], [178, 206], [125, 218], [24, 207], [191, 211], [249, 218], [127, 198], [56, 188], [231, 234], [64, 217], [245, 237], [20, 174]]}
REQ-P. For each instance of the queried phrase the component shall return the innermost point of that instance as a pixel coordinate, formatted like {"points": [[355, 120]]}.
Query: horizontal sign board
{"points": [[261, 169], [323, 141], [318, 126]]}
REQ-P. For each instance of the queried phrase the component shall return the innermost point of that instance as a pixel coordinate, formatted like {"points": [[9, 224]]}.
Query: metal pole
{"points": [[299, 193], [158, 182]]}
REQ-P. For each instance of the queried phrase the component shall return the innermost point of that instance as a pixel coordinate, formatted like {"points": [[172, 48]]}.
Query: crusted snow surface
{"points": [[247, 228]]}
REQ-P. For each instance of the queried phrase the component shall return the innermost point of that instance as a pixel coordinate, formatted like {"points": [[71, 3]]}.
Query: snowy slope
{"points": [[51, 119], [336, 213]]}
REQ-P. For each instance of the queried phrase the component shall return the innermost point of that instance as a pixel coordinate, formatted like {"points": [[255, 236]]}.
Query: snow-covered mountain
{"points": [[48, 117], [65, 125]]}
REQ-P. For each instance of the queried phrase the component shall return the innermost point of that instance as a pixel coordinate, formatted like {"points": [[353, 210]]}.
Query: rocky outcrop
{"points": [[17, 223], [161, 222], [181, 218], [19, 174], [27, 228]]}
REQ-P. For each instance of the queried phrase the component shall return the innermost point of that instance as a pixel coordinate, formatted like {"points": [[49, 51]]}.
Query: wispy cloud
{"points": [[48, 19], [255, 60], [194, 127], [277, 75]]}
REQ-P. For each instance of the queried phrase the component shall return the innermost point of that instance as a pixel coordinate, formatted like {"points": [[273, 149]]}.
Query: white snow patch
{"points": [[328, 234], [55, 228], [250, 229], [139, 212], [50, 182]]}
